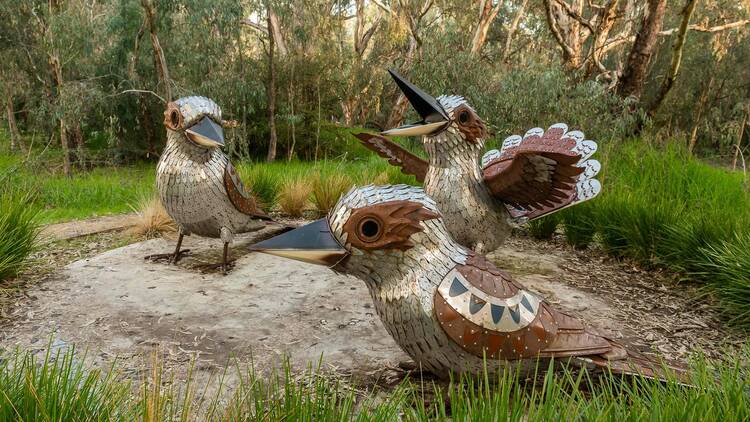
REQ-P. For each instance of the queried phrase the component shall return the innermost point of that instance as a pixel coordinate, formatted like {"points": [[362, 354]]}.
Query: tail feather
{"points": [[622, 361]]}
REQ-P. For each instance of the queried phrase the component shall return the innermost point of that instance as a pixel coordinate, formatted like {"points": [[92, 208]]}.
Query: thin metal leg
{"points": [[224, 261]]}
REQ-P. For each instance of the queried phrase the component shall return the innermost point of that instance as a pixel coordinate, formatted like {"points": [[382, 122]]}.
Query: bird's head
{"points": [[197, 119], [449, 119], [371, 230]]}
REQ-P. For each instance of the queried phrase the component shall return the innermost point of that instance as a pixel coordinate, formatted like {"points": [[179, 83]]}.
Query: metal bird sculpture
{"points": [[446, 306], [529, 177], [197, 184]]}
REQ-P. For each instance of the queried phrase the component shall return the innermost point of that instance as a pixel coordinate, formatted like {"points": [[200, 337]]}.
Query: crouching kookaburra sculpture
{"points": [[197, 184], [529, 177], [446, 306]]}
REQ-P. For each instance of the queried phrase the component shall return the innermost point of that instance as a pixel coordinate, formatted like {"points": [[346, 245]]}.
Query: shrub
{"points": [[19, 228]]}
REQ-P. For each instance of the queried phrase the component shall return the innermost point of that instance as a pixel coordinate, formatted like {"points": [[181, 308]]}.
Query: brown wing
{"points": [[487, 313], [239, 197], [395, 154], [542, 172]]}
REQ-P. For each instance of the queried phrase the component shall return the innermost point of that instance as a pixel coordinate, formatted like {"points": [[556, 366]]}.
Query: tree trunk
{"points": [[699, 114], [674, 68], [15, 135], [271, 91], [566, 31], [487, 14], [738, 146], [160, 62], [634, 75], [57, 78], [397, 113], [607, 18], [274, 31], [513, 28]]}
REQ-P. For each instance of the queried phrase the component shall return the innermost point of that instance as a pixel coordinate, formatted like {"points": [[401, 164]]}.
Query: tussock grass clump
{"points": [[544, 228], [294, 196], [19, 228], [328, 188], [663, 208], [261, 182], [59, 388], [152, 219], [580, 228]]}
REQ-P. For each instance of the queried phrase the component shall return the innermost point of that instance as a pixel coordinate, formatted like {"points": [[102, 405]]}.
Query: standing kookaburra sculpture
{"points": [[197, 184], [446, 306], [529, 177]]}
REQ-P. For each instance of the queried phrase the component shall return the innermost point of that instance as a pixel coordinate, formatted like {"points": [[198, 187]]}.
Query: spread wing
{"points": [[542, 172], [487, 313], [395, 154], [243, 201]]}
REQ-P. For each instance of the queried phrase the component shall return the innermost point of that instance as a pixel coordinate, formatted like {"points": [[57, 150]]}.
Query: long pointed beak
{"points": [[434, 118], [207, 133], [312, 243]]}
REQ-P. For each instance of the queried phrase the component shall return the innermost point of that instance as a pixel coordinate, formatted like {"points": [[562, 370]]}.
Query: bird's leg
{"points": [[225, 265], [224, 258], [172, 258]]}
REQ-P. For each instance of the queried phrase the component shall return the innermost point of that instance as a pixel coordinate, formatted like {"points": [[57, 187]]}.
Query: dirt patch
{"points": [[79, 228], [116, 304]]}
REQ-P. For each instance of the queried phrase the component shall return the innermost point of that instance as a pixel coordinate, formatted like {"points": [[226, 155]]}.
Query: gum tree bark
{"points": [[271, 91], [634, 75], [674, 68], [513, 28], [160, 62], [487, 15], [15, 135]]}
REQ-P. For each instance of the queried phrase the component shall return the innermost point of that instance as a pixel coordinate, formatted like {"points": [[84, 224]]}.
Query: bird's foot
{"points": [[210, 268], [170, 258]]}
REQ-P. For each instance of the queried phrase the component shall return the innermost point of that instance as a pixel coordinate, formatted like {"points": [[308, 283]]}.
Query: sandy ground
{"points": [[116, 304]]}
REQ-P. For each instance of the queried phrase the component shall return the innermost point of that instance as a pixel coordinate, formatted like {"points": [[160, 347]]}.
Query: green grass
{"points": [[664, 208], [19, 227], [60, 387]]}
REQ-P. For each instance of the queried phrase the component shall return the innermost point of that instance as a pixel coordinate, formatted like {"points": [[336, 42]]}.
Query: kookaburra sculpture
{"points": [[446, 306], [529, 177], [197, 184]]}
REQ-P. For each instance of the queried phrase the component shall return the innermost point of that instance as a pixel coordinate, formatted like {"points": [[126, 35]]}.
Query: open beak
{"points": [[312, 243], [207, 133], [434, 118]]}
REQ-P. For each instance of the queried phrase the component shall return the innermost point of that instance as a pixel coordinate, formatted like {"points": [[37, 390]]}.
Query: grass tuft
{"points": [[152, 219], [327, 188], [544, 228], [19, 228], [294, 196]]}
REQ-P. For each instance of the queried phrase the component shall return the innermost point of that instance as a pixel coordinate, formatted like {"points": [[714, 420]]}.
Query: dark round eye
{"points": [[174, 118], [369, 229], [463, 117]]}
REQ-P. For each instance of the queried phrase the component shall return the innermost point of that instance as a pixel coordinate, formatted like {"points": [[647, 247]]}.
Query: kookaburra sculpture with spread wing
{"points": [[529, 177], [197, 184], [447, 307]]}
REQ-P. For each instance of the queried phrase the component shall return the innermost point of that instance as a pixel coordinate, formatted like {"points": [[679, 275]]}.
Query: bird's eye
{"points": [[463, 117], [369, 230], [174, 118]]}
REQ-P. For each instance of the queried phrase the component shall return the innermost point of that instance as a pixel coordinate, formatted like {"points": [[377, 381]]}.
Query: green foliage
{"points": [[580, 227], [61, 387], [662, 207], [19, 227], [544, 227]]}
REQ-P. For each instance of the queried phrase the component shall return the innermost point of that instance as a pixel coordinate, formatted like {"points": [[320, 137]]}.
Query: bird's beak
{"points": [[434, 118], [313, 243], [206, 133]]}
